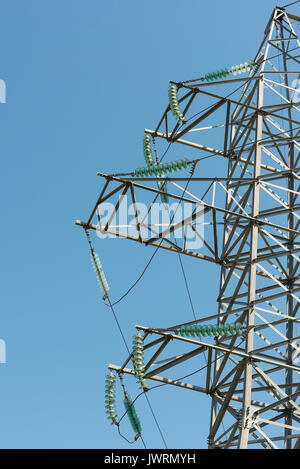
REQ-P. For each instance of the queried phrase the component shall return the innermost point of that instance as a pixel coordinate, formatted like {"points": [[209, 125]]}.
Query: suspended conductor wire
{"points": [[290, 4], [118, 324], [158, 426], [188, 292], [187, 286], [165, 152]]}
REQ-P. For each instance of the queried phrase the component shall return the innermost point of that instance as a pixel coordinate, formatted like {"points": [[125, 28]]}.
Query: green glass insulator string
{"points": [[216, 330], [217, 75], [234, 70], [100, 275], [160, 169], [110, 393], [148, 150], [138, 359], [174, 104], [132, 415]]}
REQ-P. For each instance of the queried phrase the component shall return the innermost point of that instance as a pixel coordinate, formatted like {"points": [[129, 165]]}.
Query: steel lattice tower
{"points": [[252, 232]]}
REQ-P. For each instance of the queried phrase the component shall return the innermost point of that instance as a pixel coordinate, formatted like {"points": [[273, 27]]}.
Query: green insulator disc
{"points": [[138, 347]]}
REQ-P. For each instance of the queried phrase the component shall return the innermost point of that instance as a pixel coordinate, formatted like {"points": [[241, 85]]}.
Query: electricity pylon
{"points": [[251, 231]]}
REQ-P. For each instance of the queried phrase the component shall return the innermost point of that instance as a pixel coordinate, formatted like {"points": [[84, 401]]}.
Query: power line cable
{"points": [[290, 4], [187, 286], [157, 424]]}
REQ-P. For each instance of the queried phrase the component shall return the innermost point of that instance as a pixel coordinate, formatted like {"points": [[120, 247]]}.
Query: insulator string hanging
{"points": [[219, 330], [138, 359], [110, 394], [132, 415], [174, 104], [147, 150], [100, 275]]}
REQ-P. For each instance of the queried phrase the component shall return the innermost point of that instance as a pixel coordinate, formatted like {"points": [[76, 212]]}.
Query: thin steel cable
{"points": [[118, 324], [187, 286], [138, 279], [158, 426], [143, 442], [290, 4], [188, 292]]}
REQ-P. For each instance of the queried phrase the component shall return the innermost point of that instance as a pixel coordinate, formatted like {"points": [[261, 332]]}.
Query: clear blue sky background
{"points": [[84, 78]]}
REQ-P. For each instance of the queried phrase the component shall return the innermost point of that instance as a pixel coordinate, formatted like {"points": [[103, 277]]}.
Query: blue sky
{"points": [[84, 78]]}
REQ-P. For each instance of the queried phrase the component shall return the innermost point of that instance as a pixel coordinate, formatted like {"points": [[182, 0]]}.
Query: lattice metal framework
{"points": [[251, 231]]}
